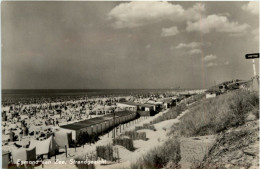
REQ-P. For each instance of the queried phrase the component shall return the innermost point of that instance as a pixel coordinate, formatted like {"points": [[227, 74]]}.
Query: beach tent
{"points": [[23, 154], [19, 154], [31, 154], [48, 146], [5, 159], [63, 138]]}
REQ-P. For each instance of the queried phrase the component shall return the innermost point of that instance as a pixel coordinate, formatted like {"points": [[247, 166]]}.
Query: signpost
{"points": [[254, 56]]}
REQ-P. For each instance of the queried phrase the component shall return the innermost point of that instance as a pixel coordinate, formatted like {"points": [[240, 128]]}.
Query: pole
{"points": [[105, 126], [92, 131], [253, 61], [255, 85], [114, 125], [66, 151], [101, 129]]}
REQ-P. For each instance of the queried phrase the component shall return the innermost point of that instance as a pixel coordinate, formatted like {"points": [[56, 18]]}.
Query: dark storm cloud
{"points": [[92, 44]]}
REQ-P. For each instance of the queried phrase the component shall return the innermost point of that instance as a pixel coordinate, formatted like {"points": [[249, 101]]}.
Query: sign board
{"points": [[252, 56]]}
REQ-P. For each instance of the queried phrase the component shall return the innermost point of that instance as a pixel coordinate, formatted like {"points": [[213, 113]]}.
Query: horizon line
{"points": [[114, 89]]}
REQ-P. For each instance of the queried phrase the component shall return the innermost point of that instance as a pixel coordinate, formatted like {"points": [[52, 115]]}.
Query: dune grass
{"points": [[207, 116], [135, 135], [214, 115], [105, 152], [125, 142], [172, 113], [145, 126], [160, 156], [83, 166]]}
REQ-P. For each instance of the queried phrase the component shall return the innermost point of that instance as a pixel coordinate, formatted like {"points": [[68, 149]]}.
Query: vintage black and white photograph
{"points": [[130, 84]]}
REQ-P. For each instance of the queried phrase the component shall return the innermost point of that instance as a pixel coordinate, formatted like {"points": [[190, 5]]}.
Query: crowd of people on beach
{"points": [[9, 101]]}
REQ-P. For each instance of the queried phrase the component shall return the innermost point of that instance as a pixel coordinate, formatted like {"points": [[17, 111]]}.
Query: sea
{"points": [[18, 93]]}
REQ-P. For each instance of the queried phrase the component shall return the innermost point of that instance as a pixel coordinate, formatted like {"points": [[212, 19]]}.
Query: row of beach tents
{"points": [[37, 149]]}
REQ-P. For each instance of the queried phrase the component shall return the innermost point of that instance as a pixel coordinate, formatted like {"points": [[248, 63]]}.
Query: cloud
{"points": [[195, 51], [224, 14], [252, 7], [209, 58], [136, 14], [189, 45], [169, 31], [192, 47], [195, 12], [211, 64], [218, 24]]}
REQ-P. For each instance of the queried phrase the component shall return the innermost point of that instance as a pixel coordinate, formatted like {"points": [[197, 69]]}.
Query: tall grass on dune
{"points": [[217, 114], [195, 98], [135, 135], [125, 142], [145, 126], [105, 152], [166, 155], [173, 113], [83, 166]]}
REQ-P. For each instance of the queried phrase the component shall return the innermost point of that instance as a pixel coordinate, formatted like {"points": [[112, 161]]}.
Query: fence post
{"points": [[105, 125], [66, 151], [101, 129], [118, 155]]}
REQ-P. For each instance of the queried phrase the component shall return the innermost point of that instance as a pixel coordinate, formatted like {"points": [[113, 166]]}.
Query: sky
{"points": [[126, 45]]}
